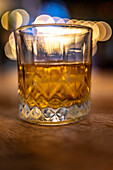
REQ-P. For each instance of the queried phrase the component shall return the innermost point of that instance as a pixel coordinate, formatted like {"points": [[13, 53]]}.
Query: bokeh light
{"points": [[43, 19], [25, 16], [58, 20], [10, 48], [7, 50], [12, 40], [66, 20], [108, 31], [95, 35], [15, 19], [5, 20], [102, 31], [78, 22], [10, 52], [14, 56], [74, 20], [70, 22]]}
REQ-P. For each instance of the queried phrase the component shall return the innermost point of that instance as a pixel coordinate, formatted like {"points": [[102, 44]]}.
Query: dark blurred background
{"points": [[76, 9]]}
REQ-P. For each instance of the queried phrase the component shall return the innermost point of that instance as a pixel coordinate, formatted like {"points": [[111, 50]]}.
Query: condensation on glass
{"points": [[54, 73]]}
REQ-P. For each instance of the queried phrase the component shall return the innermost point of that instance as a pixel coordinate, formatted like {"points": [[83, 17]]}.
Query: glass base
{"points": [[50, 116]]}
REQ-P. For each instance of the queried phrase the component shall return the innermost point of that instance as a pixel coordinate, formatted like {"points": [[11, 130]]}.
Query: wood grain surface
{"points": [[86, 145]]}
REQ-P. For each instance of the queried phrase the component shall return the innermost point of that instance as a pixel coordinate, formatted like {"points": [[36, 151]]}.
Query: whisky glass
{"points": [[54, 73]]}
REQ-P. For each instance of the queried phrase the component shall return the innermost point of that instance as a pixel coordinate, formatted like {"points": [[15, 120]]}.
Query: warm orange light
{"points": [[5, 20], [78, 22], [86, 22], [108, 31], [74, 20], [70, 22], [102, 30], [95, 28]]}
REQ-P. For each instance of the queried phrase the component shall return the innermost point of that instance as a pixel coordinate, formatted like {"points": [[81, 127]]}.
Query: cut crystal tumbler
{"points": [[54, 73]]}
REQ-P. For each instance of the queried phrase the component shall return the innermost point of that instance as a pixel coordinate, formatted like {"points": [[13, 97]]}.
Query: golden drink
{"points": [[54, 85]]}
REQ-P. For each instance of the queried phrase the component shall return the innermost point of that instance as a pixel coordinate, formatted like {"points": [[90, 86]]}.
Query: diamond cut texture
{"points": [[50, 116]]}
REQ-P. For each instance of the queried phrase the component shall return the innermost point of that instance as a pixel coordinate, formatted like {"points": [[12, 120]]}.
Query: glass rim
{"points": [[54, 24]]}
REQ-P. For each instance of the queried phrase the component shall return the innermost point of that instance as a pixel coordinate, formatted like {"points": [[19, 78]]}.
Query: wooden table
{"points": [[86, 145]]}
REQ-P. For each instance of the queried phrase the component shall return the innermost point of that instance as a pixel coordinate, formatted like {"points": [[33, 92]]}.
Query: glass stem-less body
{"points": [[54, 73]]}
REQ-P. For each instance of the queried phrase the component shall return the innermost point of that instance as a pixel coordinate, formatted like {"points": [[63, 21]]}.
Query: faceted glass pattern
{"points": [[49, 116], [46, 91]]}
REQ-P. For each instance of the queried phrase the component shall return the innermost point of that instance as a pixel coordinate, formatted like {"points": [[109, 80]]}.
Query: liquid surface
{"points": [[54, 85]]}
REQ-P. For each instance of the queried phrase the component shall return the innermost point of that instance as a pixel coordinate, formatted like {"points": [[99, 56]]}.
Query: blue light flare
{"points": [[54, 9]]}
